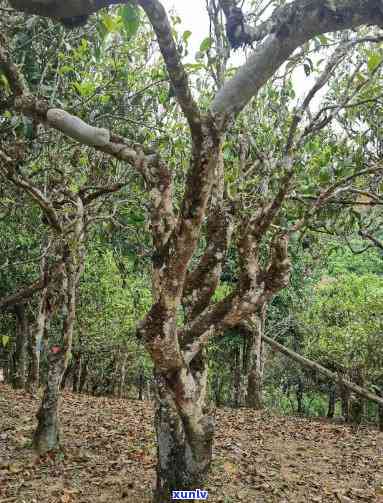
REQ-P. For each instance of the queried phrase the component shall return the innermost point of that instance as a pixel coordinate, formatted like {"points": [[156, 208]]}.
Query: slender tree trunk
{"points": [[5, 363], [20, 354], [36, 338], [47, 435], [357, 403], [77, 372], [121, 384], [299, 395], [83, 376], [184, 432], [254, 395], [149, 390], [331, 401], [345, 402], [141, 383], [217, 387], [238, 376], [67, 372]]}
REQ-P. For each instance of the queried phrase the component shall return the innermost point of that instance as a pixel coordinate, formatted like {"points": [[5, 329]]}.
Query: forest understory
{"points": [[109, 456]]}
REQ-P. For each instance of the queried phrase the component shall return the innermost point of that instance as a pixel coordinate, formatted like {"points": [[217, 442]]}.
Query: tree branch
{"points": [[179, 79], [291, 26]]}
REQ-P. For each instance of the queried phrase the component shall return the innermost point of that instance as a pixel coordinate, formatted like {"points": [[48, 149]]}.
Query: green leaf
{"points": [[206, 44], [130, 16], [186, 35], [374, 61], [5, 340]]}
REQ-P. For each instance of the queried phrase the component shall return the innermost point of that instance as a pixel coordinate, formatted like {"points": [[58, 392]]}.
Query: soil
{"points": [[109, 455]]}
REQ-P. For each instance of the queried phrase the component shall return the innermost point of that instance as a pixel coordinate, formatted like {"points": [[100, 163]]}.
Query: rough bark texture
{"points": [[184, 432], [47, 435], [36, 337], [184, 435]]}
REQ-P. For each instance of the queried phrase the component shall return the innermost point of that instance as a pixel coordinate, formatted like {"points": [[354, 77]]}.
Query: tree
{"points": [[184, 429]]}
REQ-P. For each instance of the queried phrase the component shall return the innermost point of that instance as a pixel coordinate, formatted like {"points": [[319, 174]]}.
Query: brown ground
{"points": [[110, 453]]}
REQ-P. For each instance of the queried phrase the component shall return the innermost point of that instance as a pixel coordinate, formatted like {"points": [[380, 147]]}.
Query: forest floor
{"points": [[109, 456]]}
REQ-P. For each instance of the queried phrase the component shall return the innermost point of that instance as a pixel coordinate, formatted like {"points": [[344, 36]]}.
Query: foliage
{"points": [[343, 323]]}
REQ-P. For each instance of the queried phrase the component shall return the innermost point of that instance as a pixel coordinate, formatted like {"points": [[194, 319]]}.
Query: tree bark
{"points": [[237, 376], [83, 376], [141, 384], [356, 402], [345, 402], [121, 383], [20, 354], [299, 395], [331, 401], [380, 417], [77, 372], [184, 432], [47, 435], [36, 339], [254, 396]]}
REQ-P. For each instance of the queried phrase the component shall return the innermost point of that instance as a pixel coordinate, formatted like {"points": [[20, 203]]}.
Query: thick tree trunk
{"points": [[47, 435], [254, 394], [184, 434], [331, 401], [20, 354]]}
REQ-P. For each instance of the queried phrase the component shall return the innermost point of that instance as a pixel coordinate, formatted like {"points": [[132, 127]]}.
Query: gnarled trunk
{"points": [[47, 435], [184, 433]]}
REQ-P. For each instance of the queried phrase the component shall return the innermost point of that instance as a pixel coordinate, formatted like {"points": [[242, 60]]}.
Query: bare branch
{"points": [[334, 61], [26, 293], [291, 26], [9, 171], [179, 79]]}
